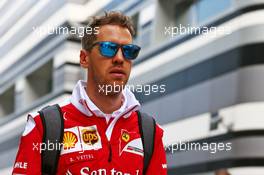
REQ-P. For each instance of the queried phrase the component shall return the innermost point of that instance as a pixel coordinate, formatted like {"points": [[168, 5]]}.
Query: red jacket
{"points": [[93, 143]]}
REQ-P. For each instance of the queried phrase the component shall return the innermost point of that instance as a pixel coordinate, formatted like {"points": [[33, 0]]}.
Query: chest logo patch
{"points": [[80, 139], [90, 137], [130, 142], [125, 136], [69, 139]]}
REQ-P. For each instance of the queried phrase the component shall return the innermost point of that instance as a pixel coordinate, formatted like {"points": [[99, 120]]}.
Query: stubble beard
{"points": [[109, 87]]}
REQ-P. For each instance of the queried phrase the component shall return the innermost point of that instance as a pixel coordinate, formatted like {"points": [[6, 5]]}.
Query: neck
{"points": [[106, 103]]}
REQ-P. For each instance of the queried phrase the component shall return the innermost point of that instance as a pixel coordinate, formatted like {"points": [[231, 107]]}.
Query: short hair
{"points": [[112, 17]]}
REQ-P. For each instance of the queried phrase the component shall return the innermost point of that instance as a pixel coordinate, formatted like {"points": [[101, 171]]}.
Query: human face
{"points": [[113, 71]]}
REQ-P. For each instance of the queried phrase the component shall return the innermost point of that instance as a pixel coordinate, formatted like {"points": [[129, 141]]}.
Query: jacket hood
{"points": [[84, 104]]}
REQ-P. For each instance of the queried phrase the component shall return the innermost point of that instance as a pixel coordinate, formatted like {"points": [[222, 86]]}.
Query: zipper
{"points": [[109, 144], [110, 152]]}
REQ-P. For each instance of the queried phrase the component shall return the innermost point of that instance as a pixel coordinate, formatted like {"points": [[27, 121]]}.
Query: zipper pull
{"points": [[110, 152]]}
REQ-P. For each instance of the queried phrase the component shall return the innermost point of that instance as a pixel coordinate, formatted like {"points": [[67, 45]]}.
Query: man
{"points": [[101, 133]]}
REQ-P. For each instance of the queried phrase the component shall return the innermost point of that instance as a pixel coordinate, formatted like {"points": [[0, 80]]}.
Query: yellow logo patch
{"points": [[69, 140], [125, 137]]}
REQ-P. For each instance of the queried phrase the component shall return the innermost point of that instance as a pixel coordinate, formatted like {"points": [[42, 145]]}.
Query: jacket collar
{"points": [[84, 104]]}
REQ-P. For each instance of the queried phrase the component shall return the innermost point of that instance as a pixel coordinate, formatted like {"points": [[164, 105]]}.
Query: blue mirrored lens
{"points": [[130, 51], [108, 49]]}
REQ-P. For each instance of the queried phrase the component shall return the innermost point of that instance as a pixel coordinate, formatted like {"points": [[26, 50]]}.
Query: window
{"points": [[145, 39], [38, 83], [135, 19], [183, 15], [208, 8], [146, 16], [7, 102], [171, 14]]}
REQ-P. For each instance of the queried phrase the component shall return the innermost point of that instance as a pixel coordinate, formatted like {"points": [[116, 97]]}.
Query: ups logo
{"points": [[89, 137]]}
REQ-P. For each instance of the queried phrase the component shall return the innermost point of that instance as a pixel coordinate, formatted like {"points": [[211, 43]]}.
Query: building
{"points": [[206, 54]]}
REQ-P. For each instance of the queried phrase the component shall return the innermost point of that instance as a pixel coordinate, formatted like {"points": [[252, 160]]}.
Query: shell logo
{"points": [[69, 140], [90, 137], [125, 137]]}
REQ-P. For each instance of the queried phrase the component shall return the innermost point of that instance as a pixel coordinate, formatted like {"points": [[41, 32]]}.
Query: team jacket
{"points": [[94, 143]]}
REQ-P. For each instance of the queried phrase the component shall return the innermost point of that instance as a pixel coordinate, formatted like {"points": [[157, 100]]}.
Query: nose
{"points": [[118, 58]]}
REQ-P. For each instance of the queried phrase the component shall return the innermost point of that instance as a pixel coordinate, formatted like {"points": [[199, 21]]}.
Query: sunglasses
{"points": [[109, 49]]}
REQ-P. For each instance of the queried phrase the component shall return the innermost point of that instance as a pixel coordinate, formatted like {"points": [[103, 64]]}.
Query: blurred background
{"points": [[213, 78]]}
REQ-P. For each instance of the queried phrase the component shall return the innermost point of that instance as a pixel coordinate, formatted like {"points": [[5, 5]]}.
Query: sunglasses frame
{"points": [[118, 46]]}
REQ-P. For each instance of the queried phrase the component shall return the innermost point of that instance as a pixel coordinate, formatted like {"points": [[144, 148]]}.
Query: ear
{"points": [[84, 58]]}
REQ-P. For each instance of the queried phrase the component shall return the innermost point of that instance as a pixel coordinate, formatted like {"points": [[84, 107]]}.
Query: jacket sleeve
{"points": [[28, 159], [158, 165]]}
